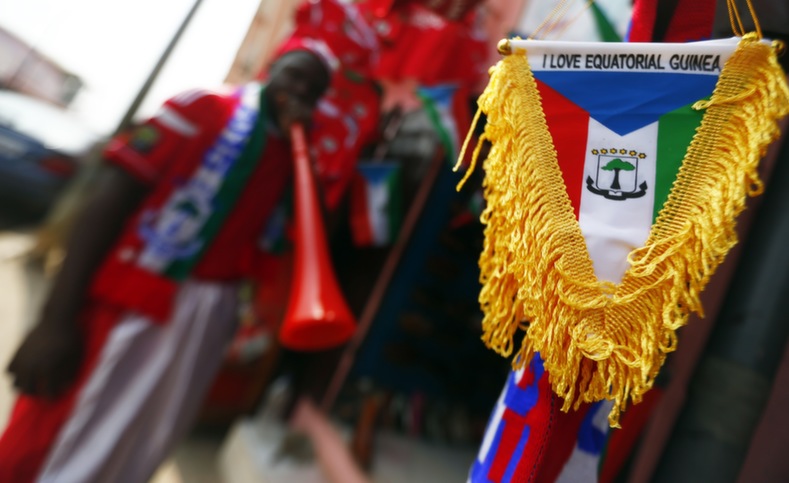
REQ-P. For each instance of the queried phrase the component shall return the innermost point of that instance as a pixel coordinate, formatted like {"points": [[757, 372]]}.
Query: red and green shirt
{"points": [[205, 209]]}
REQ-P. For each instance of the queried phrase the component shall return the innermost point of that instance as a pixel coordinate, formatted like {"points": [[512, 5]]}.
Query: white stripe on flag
{"points": [[449, 125], [577, 56], [613, 228], [377, 202], [496, 418]]}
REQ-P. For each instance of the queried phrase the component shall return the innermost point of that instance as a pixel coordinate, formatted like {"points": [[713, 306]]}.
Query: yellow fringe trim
{"points": [[600, 340]]}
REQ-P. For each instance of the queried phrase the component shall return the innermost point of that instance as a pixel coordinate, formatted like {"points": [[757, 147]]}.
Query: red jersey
{"points": [[175, 152], [345, 121], [417, 43], [169, 151]]}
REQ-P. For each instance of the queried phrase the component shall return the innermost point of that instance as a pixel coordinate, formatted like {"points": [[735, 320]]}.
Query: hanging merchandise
{"points": [[616, 174], [376, 204]]}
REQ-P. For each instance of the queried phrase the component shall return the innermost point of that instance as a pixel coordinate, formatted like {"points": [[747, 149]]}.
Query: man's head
{"points": [[330, 38], [296, 81]]}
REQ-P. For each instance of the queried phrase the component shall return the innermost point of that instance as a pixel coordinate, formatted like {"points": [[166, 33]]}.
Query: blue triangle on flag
{"points": [[377, 172], [441, 94], [626, 101]]}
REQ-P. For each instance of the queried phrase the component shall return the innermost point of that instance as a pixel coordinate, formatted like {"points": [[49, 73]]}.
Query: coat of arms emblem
{"points": [[617, 176]]}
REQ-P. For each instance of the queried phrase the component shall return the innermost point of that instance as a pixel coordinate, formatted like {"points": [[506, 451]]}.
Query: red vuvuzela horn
{"points": [[317, 316]]}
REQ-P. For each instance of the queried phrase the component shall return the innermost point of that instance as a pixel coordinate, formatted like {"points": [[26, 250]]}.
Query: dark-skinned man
{"points": [[145, 303]]}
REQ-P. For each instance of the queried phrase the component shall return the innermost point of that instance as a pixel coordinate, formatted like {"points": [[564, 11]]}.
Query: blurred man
{"points": [[137, 320]]}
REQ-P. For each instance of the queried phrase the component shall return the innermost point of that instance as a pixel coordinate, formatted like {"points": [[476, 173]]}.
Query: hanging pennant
{"points": [[376, 204], [613, 184]]}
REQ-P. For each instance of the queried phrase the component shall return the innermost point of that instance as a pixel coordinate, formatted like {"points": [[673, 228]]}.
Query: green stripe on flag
{"points": [[675, 132], [395, 203], [225, 199], [444, 136]]}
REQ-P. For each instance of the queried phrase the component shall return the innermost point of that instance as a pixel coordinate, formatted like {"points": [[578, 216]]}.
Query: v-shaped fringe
{"points": [[600, 340]]}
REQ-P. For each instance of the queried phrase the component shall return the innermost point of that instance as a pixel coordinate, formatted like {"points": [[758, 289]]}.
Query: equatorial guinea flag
{"points": [[620, 118], [440, 104], [376, 211]]}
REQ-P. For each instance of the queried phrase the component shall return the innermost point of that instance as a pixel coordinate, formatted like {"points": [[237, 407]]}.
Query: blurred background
{"points": [[73, 72]]}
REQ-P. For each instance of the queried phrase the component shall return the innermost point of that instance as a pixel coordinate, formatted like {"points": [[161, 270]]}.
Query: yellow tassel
{"points": [[599, 340]]}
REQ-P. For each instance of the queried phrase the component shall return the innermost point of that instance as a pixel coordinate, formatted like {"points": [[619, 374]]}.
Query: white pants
{"points": [[145, 391]]}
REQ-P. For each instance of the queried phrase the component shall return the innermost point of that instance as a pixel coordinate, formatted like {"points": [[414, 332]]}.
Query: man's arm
{"points": [[49, 357]]}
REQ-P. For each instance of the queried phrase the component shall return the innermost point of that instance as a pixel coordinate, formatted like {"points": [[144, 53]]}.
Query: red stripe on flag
{"points": [[569, 128], [514, 425], [359, 216], [561, 442]]}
